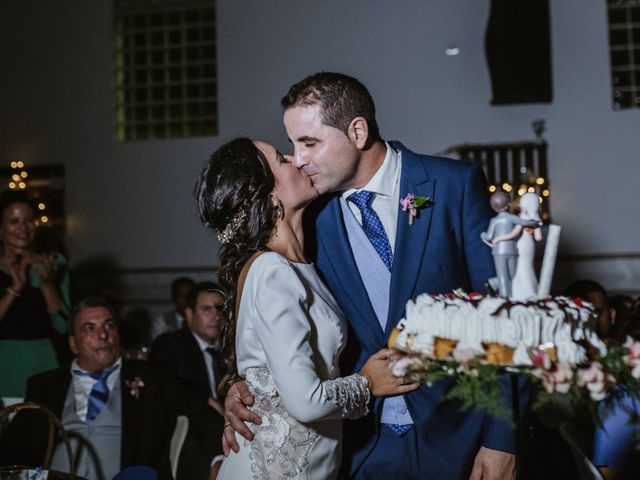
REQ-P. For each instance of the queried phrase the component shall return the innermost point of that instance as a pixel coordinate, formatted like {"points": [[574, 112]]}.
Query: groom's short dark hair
{"points": [[341, 99]]}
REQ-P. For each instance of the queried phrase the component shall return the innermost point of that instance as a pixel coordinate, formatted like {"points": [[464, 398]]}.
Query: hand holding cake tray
{"points": [[475, 339]]}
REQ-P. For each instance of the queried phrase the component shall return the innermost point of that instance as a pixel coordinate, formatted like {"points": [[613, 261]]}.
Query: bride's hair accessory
{"points": [[226, 235]]}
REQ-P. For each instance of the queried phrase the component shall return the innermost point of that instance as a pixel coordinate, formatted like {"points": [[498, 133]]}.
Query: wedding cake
{"points": [[498, 330]]}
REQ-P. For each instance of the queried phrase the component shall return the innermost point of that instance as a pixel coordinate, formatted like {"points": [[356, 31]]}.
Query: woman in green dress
{"points": [[34, 297]]}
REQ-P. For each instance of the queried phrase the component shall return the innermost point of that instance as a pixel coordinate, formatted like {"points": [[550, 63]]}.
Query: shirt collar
{"points": [[75, 366], [201, 343], [383, 181]]}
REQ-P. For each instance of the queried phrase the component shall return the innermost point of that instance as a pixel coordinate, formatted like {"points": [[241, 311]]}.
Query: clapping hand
{"points": [[44, 267], [18, 270]]}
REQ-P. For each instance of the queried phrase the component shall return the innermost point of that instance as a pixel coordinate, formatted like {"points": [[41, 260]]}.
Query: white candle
{"points": [[549, 260]]}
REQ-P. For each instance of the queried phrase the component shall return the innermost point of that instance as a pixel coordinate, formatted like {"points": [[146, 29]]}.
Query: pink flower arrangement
{"points": [[135, 386], [540, 358], [594, 378], [632, 359], [411, 203], [558, 379]]}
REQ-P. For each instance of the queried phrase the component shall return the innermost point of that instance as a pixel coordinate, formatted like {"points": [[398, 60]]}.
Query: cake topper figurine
{"points": [[525, 284], [504, 229]]}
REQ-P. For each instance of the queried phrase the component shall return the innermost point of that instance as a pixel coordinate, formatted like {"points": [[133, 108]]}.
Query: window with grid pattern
{"points": [[165, 69], [624, 48]]}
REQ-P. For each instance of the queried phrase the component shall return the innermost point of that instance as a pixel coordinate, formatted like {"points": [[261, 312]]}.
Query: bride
{"points": [[285, 330]]}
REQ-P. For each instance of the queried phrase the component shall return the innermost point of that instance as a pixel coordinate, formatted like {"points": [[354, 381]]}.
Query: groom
{"points": [[375, 260]]}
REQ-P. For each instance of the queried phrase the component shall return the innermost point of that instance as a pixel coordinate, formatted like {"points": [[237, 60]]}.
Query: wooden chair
{"points": [[54, 426]]}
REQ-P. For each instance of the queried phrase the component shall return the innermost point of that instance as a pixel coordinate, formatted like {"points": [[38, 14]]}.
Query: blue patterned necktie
{"points": [[372, 226], [99, 395], [399, 430]]}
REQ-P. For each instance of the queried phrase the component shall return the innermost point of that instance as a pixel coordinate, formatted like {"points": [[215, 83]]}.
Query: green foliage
{"points": [[420, 202]]}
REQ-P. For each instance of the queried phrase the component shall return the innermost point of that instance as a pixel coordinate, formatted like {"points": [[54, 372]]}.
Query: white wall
{"points": [[130, 204]]}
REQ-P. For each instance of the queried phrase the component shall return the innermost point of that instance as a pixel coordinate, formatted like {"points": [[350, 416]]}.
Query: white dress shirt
{"points": [[386, 185], [83, 384]]}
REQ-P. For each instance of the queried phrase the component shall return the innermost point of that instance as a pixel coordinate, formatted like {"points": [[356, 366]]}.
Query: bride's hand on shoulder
{"points": [[382, 382]]}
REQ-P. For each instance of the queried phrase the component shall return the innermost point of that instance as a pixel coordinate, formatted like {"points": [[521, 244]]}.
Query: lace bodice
{"points": [[280, 449], [289, 337]]}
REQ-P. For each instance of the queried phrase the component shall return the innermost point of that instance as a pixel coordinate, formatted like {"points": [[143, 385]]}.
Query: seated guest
{"points": [[173, 319], [622, 305], [595, 293], [119, 412], [615, 446], [193, 351]]}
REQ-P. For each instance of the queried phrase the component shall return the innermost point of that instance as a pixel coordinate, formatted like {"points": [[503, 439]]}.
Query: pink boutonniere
{"points": [[135, 386], [412, 203]]}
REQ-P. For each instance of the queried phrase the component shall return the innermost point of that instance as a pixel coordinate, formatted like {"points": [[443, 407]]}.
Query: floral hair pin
{"points": [[412, 203], [135, 386], [225, 236]]}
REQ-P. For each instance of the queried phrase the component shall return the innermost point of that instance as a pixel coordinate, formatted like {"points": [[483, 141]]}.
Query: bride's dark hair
{"points": [[233, 195]]}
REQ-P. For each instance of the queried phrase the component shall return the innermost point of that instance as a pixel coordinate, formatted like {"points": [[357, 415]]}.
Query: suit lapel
{"points": [[57, 395], [411, 240], [333, 238], [131, 414], [200, 373]]}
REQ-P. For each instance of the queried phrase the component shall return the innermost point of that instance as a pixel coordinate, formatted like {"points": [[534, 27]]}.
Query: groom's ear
{"points": [[359, 132]]}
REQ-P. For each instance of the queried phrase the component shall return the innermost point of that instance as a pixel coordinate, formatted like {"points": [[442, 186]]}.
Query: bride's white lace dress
{"points": [[289, 336]]}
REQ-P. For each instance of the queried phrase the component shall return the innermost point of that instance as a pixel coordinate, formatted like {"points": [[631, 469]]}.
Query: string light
{"points": [[492, 188], [540, 181], [41, 206], [18, 179], [44, 219], [545, 193], [522, 191], [531, 189]]}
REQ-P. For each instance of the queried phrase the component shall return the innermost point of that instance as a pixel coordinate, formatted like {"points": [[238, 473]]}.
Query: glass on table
{"points": [[14, 472]]}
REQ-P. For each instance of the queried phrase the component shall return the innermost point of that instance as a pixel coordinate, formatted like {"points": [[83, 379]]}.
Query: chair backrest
{"points": [[177, 441], [54, 424], [137, 472], [586, 469]]}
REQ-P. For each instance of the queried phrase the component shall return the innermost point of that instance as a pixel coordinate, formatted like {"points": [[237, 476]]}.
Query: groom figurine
{"points": [[374, 260]]}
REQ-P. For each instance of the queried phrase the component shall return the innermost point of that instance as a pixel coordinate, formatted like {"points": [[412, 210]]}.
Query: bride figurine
{"points": [[525, 283]]}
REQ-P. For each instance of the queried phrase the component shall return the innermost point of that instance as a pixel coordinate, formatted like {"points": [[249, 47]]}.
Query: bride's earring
{"points": [[279, 210], [278, 207]]}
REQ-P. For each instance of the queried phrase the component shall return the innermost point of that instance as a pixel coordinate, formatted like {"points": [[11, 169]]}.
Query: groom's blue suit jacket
{"points": [[440, 252]]}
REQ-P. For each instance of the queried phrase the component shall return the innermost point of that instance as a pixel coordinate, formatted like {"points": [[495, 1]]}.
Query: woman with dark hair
{"points": [[285, 331], [34, 297]]}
